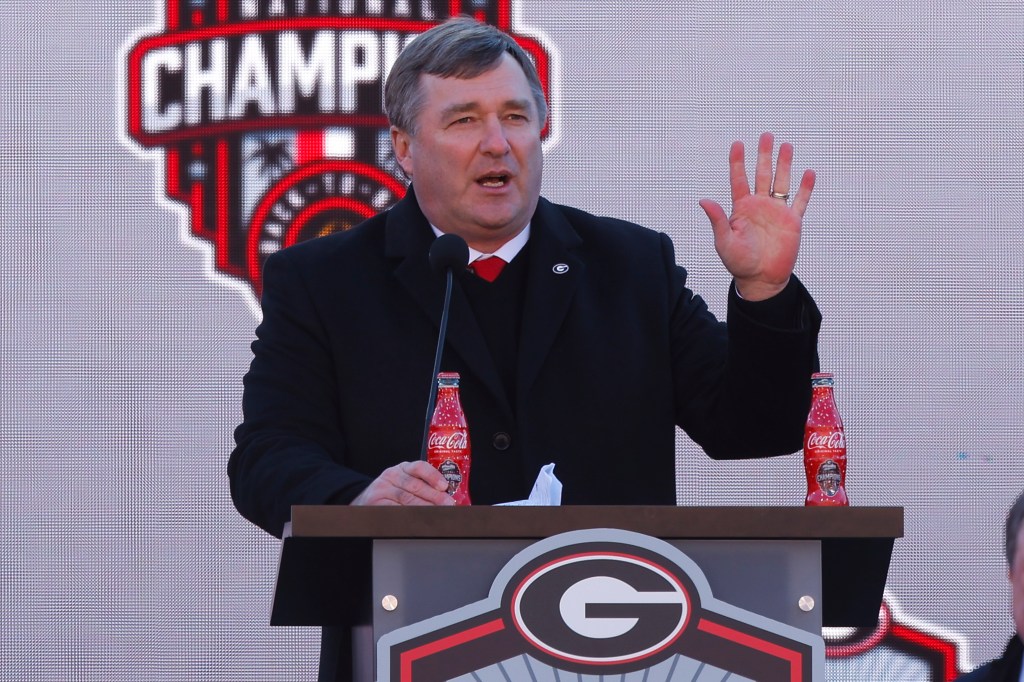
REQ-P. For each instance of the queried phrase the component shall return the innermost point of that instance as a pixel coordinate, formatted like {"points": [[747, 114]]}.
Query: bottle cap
{"points": [[821, 379]]}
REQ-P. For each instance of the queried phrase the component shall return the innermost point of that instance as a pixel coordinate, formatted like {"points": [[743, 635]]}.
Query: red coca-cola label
{"points": [[451, 440], [825, 440]]}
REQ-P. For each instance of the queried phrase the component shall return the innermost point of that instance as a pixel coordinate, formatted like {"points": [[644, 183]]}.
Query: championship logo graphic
{"points": [[600, 603], [270, 114]]}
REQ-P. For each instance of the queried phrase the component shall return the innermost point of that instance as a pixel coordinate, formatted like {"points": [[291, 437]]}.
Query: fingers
{"points": [[782, 169], [716, 214], [764, 183], [720, 225], [769, 181], [407, 483], [763, 172], [803, 194], [421, 483], [737, 173]]}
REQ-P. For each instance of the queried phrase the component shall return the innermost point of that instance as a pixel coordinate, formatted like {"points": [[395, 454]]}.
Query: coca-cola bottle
{"points": [[824, 447], [448, 440]]}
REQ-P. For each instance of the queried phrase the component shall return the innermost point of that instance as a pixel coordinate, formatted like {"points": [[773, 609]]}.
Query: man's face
{"points": [[475, 159], [1017, 585]]}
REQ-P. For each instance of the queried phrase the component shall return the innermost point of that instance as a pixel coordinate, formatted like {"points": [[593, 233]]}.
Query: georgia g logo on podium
{"points": [[600, 602], [269, 115], [600, 608]]}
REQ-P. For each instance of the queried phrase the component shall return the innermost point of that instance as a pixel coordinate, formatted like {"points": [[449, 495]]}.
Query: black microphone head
{"points": [[448, 251]]}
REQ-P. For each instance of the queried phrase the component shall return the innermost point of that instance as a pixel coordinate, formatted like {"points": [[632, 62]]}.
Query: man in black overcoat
{"points": [[588, 350]]}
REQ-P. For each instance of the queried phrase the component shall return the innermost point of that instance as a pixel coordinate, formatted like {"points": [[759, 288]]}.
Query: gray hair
{"points": [[1014, 518], [459, 48]]}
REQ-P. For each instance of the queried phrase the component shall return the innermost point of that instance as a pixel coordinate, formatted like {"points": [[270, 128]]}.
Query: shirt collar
{"points": [[508, 250]]}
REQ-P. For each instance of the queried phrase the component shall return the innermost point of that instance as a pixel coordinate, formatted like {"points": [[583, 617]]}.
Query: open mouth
{"points": [[493, 180]]}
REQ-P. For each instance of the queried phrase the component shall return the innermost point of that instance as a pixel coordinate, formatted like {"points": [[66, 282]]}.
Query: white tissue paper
{"points": [[547, 491]]}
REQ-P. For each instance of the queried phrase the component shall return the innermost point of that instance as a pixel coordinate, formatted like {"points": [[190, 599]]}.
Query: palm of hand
{"points": [[763, 241]]}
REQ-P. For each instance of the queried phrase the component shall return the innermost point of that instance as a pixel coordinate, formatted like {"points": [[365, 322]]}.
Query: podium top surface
{"points": [[325, 570], [667, 522]]}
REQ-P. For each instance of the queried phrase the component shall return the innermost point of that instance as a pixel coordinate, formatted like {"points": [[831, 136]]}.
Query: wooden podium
{"points": [[371, 570]]}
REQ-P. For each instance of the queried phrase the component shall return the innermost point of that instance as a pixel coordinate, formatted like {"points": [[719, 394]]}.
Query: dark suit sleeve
{"points": [[743, 387], [289, 447]]}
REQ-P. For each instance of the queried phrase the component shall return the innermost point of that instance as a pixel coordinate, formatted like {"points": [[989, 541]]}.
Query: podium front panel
{"points": [[591, 602], [419, 579]]}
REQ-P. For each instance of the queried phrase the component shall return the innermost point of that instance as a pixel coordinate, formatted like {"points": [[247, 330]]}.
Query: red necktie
{"points": [[487, 268]]}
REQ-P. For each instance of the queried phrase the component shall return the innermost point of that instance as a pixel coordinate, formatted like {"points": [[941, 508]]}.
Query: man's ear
{"points": [[401, 143]]}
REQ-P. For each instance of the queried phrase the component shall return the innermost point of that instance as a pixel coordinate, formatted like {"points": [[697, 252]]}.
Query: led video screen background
{"points": [[122, 346]]}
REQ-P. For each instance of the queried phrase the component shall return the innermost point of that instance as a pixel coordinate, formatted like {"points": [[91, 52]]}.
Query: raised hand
{"points": [[759, 242]]}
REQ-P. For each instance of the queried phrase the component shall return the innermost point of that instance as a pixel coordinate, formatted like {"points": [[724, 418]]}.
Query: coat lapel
{"points": [[553, 276], [408, 241]]}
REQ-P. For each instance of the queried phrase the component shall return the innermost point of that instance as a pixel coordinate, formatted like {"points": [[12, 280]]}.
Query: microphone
{"points": [[448, 251]]}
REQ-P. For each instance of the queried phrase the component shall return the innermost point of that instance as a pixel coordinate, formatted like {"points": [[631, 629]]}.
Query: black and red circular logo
{"points": [[600, 608]]}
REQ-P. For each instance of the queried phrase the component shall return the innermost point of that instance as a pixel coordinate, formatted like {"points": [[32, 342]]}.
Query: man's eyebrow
{"points": [[466, 107], [518, 104], [459, 108]]}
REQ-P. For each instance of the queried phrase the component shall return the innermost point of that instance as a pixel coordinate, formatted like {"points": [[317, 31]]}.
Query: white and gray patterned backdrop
{"points": [[121, 557]]}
